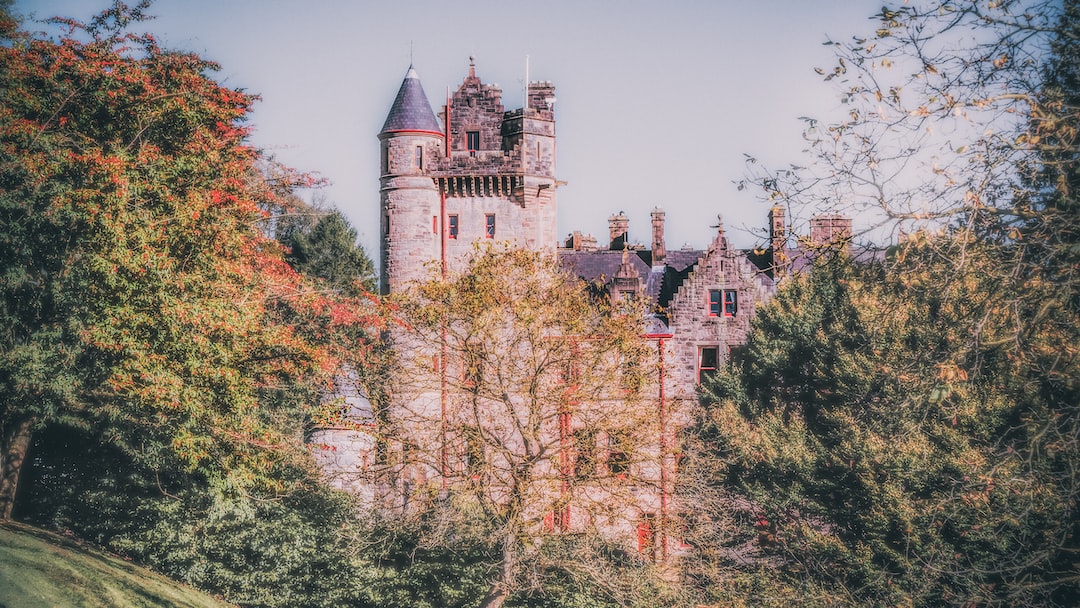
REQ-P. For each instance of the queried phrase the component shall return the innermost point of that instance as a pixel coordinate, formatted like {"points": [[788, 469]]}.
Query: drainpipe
{"points": [[444, 456], [664, 448]]}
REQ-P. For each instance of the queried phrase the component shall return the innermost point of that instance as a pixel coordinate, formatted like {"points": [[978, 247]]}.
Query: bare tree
{"points": [[521, 396]]}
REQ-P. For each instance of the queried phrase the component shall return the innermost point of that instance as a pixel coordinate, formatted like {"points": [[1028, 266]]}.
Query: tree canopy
{"points": [[905, 433], [159, 356]]}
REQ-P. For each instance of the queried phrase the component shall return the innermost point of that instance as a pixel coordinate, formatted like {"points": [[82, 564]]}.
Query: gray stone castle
{"points": [[483, 173], [477, 172]]}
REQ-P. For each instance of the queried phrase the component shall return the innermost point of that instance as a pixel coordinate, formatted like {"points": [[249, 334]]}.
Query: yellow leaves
{"points": [[971, 197], [951, 372]]}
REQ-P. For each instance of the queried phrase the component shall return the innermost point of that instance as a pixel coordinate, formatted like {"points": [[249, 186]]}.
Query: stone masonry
{"points": [[479, 173]]}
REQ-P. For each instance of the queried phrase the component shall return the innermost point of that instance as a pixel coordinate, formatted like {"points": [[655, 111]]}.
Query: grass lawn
{"points": [[41, 569]]}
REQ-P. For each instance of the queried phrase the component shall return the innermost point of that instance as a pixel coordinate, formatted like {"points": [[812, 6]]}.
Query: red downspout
{"points": [[664, 490], [663, 457], [445, 456]]}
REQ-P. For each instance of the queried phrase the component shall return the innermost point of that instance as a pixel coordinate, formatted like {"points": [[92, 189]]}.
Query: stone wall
{"points": [[694, 326]]}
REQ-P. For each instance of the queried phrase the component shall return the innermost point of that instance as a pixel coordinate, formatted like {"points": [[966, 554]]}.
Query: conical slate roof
{"points": [[411, 110]]}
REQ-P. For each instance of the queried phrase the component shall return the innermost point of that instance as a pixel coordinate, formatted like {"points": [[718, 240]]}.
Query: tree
{"points": [[877, 459], [519, 396], [962, 115], [140, 298], [961, 137], [152, 329], [324, 246]]}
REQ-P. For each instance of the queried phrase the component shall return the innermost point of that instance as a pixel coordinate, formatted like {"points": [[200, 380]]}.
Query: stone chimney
{"points": [[618, 226], [659, 250], [778, 240], [829, 230]]}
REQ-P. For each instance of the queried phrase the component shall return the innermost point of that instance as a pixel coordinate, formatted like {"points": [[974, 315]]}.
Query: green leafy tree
{"points": [[906, 435], [327, 249], [876, 457], [150, 324]]}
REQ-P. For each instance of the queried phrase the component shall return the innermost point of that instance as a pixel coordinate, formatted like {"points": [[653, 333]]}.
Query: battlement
{"points": [[484, 173], [485, 139]]}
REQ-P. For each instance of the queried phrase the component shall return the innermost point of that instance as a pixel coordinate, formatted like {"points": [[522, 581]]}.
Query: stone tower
{"points": [[485, 174], [411, 140]]}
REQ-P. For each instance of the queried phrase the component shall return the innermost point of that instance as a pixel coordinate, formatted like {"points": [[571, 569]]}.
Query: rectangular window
{"points": [[418, 158], [489, 226], [584, 454], [618, 459], [714, 302], [474, 454], [731, 302], [453, 226], [472, 142], [708, 360], [646, 536], [557, 520], [385, 159], [472, 372], [435, 224]]}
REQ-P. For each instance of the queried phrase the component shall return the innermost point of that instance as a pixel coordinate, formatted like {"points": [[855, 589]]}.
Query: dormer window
{"points": [[472, 142]]}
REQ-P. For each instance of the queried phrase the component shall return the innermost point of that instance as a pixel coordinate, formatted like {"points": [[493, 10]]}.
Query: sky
{"points": [[658, 102]]}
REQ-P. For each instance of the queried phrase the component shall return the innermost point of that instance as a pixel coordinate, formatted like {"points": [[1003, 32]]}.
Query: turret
{"points": [[411, 143]]}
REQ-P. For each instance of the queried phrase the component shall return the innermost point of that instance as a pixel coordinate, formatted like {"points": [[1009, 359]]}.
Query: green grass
{"points": [[41, 569]]}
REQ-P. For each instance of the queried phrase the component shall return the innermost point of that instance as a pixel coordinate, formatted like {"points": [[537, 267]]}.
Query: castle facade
{"points": [[479, 172]]}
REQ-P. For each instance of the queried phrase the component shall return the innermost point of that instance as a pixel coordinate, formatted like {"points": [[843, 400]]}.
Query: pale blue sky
{"points": [[657, 101]]}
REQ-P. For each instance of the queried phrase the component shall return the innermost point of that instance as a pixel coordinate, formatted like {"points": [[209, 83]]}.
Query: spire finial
{"points": [[472, 66], [410, 53]]}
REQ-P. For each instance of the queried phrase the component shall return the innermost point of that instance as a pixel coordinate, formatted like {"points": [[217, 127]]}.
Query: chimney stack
{"points": [[618, 226], [829, 230], [778, 240], [659, 250]]}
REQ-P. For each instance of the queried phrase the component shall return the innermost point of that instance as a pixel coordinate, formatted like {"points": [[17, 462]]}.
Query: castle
{"points": [[480, 172]]}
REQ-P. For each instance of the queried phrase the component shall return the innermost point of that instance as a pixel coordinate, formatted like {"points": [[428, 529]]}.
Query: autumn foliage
{"points": [[141, 298]]}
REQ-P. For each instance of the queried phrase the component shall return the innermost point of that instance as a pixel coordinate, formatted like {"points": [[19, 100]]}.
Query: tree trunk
{"points": [[15, 435], [494, 598], [497, 595]]}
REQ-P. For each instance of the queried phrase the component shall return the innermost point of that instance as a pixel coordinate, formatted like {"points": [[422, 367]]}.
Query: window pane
{"points": [[709, 357], [714, 302], [731, 302]]}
